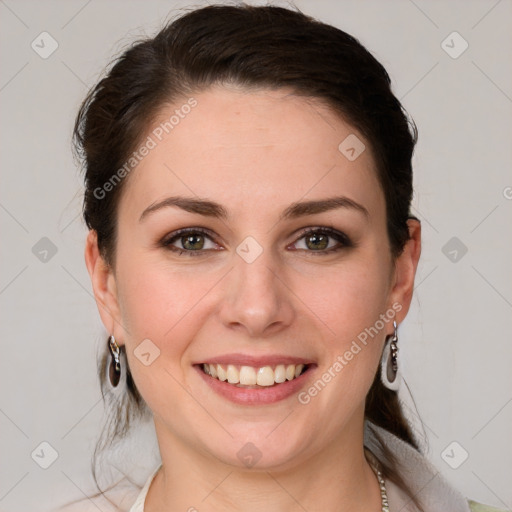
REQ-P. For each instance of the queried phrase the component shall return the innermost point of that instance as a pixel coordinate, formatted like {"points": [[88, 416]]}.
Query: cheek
{"points": [[155, 298], [157, 305], [350, 304], [348, 299]]}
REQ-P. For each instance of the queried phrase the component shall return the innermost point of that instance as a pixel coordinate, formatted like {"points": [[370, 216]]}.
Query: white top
{"points": [[424, 479], [138, 505]]}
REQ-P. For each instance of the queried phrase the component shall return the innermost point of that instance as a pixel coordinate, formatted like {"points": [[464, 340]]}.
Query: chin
{"points": [[259, 452]]}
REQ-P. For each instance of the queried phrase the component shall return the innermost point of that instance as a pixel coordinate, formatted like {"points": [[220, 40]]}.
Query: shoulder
{"points": [[126, 495], [479, 507], [120, 501]]}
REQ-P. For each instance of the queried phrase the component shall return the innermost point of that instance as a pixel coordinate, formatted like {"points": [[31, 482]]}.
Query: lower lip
{"points": [[253, 396]]}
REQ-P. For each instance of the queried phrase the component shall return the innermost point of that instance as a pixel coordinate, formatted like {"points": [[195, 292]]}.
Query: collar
{"points": [[424, 480]]}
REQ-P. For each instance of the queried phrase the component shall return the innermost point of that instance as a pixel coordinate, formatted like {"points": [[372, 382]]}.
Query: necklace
{"points": [[383, 493], [374, 464]]}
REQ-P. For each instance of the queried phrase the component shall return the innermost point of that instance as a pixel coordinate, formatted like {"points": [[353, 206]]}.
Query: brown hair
{"points": [[251, 47]]}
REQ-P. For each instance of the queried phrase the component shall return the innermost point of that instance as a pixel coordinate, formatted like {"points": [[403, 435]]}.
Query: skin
{"points": [[255, 153]]}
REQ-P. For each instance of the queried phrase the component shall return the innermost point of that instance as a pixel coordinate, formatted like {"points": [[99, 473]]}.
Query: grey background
{"points": [[455, 342]]}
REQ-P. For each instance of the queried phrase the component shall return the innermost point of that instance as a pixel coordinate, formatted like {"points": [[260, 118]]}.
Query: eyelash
{"points": [[337, 235]]}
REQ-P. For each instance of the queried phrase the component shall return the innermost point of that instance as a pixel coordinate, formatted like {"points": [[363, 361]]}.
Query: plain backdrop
{"points": [[455, 344]]}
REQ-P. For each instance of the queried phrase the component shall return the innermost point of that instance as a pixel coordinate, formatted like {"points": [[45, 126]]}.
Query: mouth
{"points": [[255, 380], [254, 377]]}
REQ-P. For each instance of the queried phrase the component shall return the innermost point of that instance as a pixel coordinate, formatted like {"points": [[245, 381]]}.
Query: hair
{"points": [[251, 47]]}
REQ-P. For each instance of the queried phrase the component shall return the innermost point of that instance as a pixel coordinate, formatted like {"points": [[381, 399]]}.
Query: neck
{"points": [[339, 478]]}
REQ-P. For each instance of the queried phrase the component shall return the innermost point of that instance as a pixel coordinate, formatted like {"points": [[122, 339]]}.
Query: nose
{"points": [[256, 297]]}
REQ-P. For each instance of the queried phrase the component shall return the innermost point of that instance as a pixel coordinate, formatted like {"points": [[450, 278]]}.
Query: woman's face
{"points": [[253, 288]]}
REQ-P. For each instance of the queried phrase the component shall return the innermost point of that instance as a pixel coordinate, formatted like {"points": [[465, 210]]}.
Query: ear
{"points": [[405, 270], [104, 287]]}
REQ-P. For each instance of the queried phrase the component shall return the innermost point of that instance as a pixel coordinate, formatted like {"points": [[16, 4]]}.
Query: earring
{"points": [[114, 370], [389, 363]]}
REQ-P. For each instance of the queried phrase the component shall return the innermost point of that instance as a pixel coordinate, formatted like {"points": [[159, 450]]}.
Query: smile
{"points": [[245, 376]]}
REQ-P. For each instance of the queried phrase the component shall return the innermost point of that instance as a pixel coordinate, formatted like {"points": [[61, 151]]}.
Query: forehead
{"points": [[251, 150]]}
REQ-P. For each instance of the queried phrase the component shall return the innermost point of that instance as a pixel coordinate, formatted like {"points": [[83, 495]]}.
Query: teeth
{"points": [[265, 376], [233, 374], [280, 373], [247, 376], [221, 373], [250, 376]]}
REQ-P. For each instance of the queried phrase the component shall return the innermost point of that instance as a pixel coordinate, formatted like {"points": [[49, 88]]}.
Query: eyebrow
{"points": [[295, 210]]}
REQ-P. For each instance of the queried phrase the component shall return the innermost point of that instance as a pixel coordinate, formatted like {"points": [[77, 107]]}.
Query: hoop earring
{"points": [[389, 362], [114, 370]]}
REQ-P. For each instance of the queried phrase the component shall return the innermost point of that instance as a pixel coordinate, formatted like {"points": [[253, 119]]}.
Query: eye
{"points": [[191, 241], [319, 240], [194, 241]]}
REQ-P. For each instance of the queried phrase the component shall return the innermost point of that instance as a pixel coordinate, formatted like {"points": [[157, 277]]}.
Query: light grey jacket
{"points": [[424, 480]]}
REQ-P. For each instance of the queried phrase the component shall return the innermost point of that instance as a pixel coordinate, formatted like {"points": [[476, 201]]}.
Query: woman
{"points": [[248, 185]]}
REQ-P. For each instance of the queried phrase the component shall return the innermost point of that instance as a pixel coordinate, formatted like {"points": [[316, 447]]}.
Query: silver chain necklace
{"points": [[383, 493], [374, 464]]}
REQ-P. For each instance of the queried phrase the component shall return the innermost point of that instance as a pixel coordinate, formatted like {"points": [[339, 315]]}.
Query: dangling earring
{"points": [[389, 363], [114, 370]]}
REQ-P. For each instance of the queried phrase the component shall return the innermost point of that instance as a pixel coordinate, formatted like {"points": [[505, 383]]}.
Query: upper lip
{"points": [[255, 361]]}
